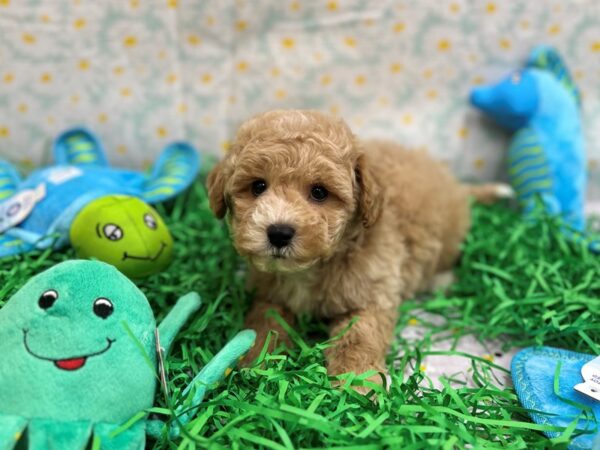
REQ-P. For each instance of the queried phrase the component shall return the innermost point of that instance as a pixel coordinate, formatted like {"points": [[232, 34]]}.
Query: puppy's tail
{"points": [[490, 192]]}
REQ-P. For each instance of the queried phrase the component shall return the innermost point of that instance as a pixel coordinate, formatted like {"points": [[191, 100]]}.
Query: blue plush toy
{"points": [[534, 370], [38, 212], [546, 158]]}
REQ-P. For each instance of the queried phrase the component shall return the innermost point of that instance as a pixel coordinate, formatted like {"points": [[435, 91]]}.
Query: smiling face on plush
{"points": [[70, 342], [294, 184], [125, 232]]}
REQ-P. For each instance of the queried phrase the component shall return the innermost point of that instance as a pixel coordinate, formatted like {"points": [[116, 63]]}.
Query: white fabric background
{"points": [[145, 72]]}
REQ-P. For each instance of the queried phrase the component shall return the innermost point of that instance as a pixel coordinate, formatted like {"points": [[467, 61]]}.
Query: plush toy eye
{"points": [[112, 232], [103, 307], [47, 299], [150, 221], [318, 193], [515, 78], [258, 187]]}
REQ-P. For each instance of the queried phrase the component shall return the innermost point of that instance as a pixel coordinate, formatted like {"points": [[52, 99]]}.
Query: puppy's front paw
{"points": [[381, 378]]}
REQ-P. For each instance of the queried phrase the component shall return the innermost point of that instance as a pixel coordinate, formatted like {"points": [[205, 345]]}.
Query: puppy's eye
{"points": [[258, 187], [318, 193]]}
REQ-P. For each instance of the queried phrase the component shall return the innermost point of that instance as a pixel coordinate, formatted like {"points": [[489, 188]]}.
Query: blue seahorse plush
{"points": [[38, 212], [546, 157]]}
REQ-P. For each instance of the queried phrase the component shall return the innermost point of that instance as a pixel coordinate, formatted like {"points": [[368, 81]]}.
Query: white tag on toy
{"points": [[16, 209], [62, 174], [591, 375]]}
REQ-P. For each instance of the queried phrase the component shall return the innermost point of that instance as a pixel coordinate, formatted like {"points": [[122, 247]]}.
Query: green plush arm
{"points": [[181, 312], [216, 370]]}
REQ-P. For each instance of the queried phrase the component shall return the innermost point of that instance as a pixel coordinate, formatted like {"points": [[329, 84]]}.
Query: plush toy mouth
{"points": [[68, 364], [146, 258]]}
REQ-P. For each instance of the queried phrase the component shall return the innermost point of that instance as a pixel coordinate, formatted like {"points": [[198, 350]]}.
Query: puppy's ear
{"points": [[216, 189], [370, 193]]}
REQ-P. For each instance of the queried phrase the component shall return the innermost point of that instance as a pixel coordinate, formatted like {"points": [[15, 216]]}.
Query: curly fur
{"points": [[394, 218]]}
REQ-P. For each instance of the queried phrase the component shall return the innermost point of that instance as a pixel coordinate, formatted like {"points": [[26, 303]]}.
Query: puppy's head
{"points": [[292, 184]]}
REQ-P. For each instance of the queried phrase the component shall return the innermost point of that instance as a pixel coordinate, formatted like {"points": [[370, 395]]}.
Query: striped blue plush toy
{"points": [[38, 212], [546, 157]]}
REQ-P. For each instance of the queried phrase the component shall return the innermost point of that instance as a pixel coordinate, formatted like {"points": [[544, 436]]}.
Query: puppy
{"points": [[337, 228]]}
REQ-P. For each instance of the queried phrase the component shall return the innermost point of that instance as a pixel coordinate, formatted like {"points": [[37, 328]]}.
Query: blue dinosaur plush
{"points": [[38, 212], [546, 158]]}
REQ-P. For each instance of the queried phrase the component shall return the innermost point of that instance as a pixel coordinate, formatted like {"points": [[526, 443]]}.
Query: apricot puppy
{"points": [[336, 227]]}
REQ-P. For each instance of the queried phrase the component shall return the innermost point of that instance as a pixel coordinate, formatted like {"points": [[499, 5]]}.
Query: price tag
{"points": [[591, 376], [17, 208]]}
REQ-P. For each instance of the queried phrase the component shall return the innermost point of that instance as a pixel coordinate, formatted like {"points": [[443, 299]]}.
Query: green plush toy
{"points": [[79, 358], [123, 231]]}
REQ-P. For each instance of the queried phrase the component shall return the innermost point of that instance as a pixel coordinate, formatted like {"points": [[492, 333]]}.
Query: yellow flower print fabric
{"points": [[145, 72]]}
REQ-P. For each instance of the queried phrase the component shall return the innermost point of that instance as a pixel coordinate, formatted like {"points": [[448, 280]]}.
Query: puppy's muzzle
{"points": [[280, 235]]}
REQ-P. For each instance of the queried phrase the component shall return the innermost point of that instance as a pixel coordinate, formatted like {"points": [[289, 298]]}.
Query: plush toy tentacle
{"points": [[170, 326], [133, 438], [174, 171], [11, 431], [217, 369], [9, 180], [79, 147], [52, 434]]}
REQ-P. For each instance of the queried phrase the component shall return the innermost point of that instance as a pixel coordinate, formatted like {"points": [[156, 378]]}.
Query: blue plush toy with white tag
{"points": [[540, 104], [560, 387], [38, 212]]}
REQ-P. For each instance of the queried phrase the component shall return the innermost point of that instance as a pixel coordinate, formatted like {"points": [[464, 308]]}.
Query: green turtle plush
{"points": [[79, 348], [125, 232]]}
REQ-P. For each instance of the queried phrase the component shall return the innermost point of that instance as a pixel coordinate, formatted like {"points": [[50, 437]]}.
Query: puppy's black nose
{"points": [[280, 235]]}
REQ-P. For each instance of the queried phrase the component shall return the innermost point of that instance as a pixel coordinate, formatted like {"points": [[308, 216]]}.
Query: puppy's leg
{"points": [[257, 320], [364, 346]]}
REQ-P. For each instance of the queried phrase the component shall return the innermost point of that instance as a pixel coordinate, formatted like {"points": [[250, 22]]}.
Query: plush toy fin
{"points": [[529, 171], [533, 372], [79, 147], [51, 434], [547, 58], [217, 369], [9, 180], [174, 171], [179, 314], [11, 431], [133, 438]]}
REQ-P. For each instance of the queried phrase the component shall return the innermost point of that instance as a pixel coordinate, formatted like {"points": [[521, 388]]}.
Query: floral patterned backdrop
{"points": [[145, 72]]}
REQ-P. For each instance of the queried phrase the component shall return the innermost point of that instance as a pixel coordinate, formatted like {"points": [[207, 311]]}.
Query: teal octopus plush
{"points": [[79, 349], [540, 105], [38, 212]]}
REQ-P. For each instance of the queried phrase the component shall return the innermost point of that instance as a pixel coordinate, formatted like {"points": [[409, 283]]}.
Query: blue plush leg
{"points": [[9, 180], [216, 370], [175, 170], [54, 435], [134, 438], [12, 245], [79, 147], [11, 431]]}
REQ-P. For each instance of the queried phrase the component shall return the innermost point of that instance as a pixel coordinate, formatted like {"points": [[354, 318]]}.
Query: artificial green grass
{"points": [[519, 282]]}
